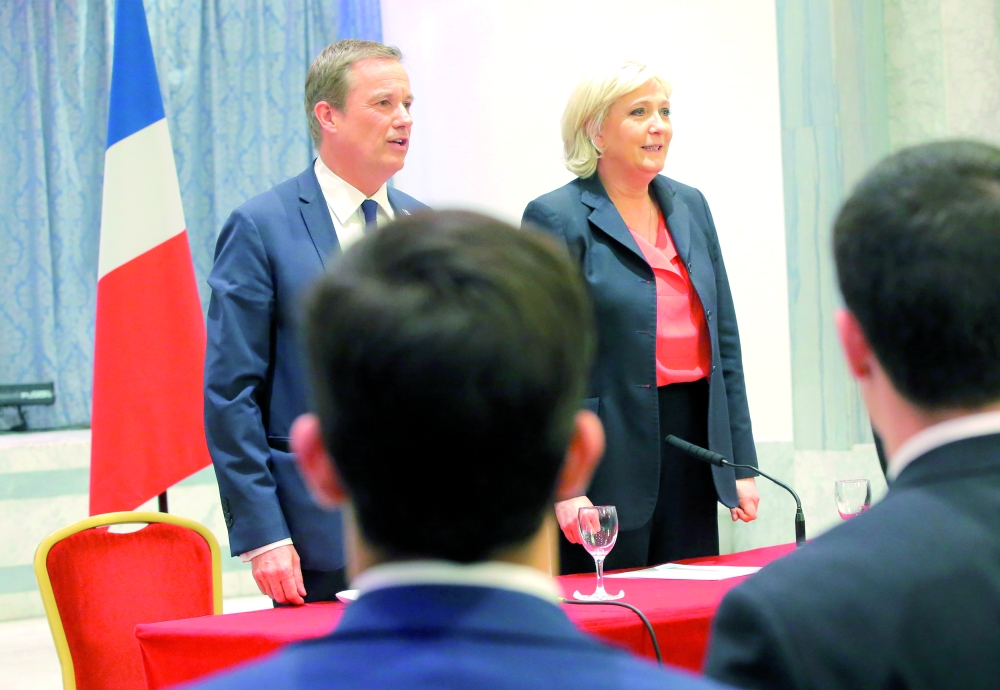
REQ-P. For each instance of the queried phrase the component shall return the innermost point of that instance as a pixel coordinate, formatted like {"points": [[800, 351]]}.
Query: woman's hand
{"points": [[746, 491], [566, 515]]}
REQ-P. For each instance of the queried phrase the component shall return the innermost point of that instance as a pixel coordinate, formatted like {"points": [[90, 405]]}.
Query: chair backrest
{"points": [[97, 585]]}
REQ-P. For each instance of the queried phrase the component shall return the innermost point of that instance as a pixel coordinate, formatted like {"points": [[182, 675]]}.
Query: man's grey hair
{"points": [[329, 78]]}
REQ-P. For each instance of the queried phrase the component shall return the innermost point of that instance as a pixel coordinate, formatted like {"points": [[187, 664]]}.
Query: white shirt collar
{"points": [[926, 440], [343, 198], [495, 574]]}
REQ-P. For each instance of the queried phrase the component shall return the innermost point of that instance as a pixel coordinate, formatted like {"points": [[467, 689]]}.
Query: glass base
{"points": [[599, 595]]}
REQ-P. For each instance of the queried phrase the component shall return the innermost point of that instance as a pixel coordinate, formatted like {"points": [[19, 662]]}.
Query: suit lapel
{"points": [[676, 215], [678, 218], [398, 203], [605, 216], [316, 216]]}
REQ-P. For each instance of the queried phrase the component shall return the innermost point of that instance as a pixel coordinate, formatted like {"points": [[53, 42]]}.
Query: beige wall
{"points": [[943, 68]]}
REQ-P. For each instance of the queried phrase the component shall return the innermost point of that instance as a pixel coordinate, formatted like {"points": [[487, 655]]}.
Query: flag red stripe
{"points": [[147, 422]]}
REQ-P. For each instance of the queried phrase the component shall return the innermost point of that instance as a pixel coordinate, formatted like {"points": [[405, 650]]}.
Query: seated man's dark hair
{"points": [[449, 354], [917, 248]]}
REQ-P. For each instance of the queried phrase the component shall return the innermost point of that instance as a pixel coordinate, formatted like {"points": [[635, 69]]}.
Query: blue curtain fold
{"points": [[231, 73]]}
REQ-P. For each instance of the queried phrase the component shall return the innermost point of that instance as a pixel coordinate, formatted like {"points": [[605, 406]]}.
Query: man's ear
{"points": [[858, 353], [327, 116], [586, 448], [315, 463]]}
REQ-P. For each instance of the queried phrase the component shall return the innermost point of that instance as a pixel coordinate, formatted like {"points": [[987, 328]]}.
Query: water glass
{"points": [[854, 496], [598, 531]]}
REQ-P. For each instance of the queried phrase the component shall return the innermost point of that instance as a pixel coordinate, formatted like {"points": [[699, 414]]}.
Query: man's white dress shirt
{"points": [[493, 574]]}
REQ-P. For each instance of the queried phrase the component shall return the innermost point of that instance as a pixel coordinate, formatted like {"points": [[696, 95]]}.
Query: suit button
{"points": [[690, 267], [709, 314], [713, 367]]}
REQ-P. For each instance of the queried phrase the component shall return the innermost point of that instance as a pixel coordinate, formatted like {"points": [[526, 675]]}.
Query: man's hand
{"points": [[746, 491], [279, 575], [566, 516]]}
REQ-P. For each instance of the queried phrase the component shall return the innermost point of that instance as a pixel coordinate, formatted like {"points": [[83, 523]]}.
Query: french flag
{"points": [[147, 424]]}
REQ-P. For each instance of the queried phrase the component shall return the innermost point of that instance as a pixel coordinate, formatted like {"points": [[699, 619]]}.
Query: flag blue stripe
{"points": [[136, 102]]}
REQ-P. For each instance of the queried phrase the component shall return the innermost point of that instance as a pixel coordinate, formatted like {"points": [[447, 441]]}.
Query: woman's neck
{"points": [[630, 195], [627, 192]]}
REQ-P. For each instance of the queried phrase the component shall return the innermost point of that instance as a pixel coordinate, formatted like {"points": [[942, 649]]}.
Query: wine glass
{"points": [[853, 497], [598, 530]]}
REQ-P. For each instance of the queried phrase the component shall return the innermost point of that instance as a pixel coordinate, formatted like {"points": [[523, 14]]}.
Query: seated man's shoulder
{"points": [[629, 673], [331, 664], [864, 558], [914, 562], [276, 672]]}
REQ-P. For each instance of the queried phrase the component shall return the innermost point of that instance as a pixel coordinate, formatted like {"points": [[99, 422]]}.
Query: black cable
{"points": [[636, 611]]}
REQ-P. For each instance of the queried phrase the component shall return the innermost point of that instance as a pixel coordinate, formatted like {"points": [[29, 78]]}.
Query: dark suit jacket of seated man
{"points": [[906, 595], [466, 343], [270, 249]]}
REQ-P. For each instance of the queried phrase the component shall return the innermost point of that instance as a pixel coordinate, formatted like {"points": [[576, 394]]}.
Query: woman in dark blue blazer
{"points": [[669, 358]]}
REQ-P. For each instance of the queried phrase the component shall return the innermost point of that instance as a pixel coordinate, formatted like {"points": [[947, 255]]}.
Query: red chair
{"points": [[97, 585]]}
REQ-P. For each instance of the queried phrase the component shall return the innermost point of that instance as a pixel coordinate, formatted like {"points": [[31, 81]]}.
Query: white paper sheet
{"points": [[677, 571]]}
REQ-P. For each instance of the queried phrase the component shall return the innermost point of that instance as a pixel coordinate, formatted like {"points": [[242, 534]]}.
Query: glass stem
{"points": [[600, 574]]}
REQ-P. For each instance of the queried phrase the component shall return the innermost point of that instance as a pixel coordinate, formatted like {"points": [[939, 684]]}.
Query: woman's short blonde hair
{"points": [[589, 105]]}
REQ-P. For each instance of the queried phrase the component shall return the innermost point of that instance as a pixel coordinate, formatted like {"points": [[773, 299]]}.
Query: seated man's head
{"points": [[918, 260], [449, 354]]}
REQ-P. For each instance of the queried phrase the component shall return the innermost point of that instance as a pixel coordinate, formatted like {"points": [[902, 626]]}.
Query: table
{"points": [[680, 611]]}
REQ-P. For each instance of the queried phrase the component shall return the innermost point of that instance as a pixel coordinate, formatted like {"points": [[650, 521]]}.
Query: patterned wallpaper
{"points": [[231, 73]]}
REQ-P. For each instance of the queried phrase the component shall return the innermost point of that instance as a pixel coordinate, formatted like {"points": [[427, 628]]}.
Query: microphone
{"points": [[719, 461]]}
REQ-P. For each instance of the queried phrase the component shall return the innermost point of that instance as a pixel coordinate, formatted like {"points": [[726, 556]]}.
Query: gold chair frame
{"points": [[45, 583]]}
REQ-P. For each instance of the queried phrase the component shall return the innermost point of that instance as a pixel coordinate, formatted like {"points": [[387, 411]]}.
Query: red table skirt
{"points": [[680, 611]]}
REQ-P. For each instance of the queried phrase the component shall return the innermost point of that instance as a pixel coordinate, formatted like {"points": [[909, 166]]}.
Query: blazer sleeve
{"points": [[749, 648], [237, 362], [744, 451]]}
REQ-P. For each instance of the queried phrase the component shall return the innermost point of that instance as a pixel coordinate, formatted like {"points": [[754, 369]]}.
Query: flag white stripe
{"points": [[141, 205]]}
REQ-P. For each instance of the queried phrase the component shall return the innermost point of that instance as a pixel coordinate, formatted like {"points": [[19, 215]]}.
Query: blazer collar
{"points": [[398, 201], [316, 215], [470, 610], [606, 217], [676, 214], [962, 458]]}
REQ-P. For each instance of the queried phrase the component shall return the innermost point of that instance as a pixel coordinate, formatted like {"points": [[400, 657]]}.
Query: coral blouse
{"points": [[683, 344]]}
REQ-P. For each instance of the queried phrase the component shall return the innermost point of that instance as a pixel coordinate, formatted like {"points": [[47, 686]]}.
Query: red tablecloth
{"points": [[680, 611]]}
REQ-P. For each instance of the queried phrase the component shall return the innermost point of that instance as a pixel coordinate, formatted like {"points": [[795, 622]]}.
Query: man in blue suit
{"points": [[449, 354], [906, 595], [357, 102]]}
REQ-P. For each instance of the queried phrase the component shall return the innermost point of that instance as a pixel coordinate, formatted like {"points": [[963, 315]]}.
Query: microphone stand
{"points": [[720, 461]]}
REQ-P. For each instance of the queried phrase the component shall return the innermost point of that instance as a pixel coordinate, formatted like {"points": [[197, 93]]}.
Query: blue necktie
{"points": [[370, 208]]}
